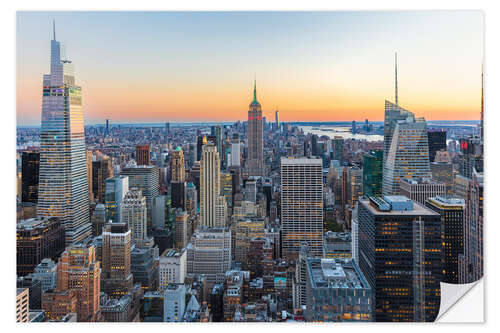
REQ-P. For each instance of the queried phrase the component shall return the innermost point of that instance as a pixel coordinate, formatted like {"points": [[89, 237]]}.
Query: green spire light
{"points": [[255, 90]]}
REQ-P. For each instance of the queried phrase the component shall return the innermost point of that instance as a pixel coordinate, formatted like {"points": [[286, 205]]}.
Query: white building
{"points": [[172, 267], [46, 272], [135, 214], [209, 185], [174, 303], [236, 154]]}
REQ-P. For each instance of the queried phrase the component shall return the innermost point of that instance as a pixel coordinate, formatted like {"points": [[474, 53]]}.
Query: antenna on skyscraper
{"points": [[54, 28], [396, 76]]}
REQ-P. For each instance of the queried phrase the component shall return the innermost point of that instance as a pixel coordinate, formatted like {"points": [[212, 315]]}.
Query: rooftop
{"points": [[416, 210]]}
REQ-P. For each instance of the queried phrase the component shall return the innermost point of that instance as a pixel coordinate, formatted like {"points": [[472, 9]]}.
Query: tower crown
{"points": [[255, 102]]}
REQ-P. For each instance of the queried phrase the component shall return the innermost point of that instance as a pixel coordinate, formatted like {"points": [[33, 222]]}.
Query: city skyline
{"points": [[319, 66]]}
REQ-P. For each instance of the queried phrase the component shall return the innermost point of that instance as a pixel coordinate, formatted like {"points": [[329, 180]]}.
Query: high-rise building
{"points": [[90, 175], [277, 121], [142, 155], [191, 199], [46, 273], [178, 194], [216, 132], [301, 205], [98, 219], [408, 156], [79, 271], [403, 267], [36, 239], [107, 127], [372, 173], [420, 190], [117, 280], [181, 229], [255, 160], [452, 221], [167, 128], [146, 179], [58, 304], [115, 190], [209, 253], [63, 189], [338, 149], [174, 303], [177, 165], [236, 153], [22, 305], [437, 142], [102, 169], [134, 214], [209, 185], [337, 291], [30, 171], [172, 267]]}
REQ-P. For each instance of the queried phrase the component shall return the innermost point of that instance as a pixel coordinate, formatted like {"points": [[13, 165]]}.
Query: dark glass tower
{"points": [[372, 173], [30, 172]]}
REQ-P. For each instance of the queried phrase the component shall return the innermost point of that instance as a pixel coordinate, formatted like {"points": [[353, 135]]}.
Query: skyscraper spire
{"points": [[482, 103], [396, 76], [255, 90], [54, 28]]}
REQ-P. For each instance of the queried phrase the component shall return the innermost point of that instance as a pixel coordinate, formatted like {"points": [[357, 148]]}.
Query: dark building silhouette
{"points": [[30, 171]]}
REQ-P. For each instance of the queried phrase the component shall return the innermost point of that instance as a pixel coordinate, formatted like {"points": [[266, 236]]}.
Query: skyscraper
{"points": [[134, 214], [63, 188], [116, 277], [408, 156], [209, 185], [437, 142], [30, 171], [338, 149], [372, 173], [177, 163], [255, 161], [116, 188], [277, 124], [391, 257], [301, 205], [102, 169], [142, 155]]}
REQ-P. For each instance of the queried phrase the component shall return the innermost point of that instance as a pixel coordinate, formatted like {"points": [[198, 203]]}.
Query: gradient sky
{"points": [[312, 66]]}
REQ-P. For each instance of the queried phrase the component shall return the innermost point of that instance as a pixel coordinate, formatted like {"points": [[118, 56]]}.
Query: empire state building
{"points": [[63, 187], [255, 162]]}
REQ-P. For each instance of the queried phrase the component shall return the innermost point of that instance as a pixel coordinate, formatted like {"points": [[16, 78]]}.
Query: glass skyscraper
{"points": [[63, 188]]}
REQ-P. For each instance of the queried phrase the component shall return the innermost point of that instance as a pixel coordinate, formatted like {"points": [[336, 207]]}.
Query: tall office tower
{"points": [[102, 169], [209, 253], [355, 235], [226, 187], [22, 305], [192, 154], [277, 124], [195, 176], [336, 291], [255, 160], [452, 211], [216, 131], [338, 149], [356, 177], [437, 142], [177, 165], [171, 267], [236, 153], [98, 219], [107, 127], [314, 145], [178, 194], [393, 252], [29, 178], [300, 278], [79, 271], [471, 262], [90, 175], [116, 277], [354, 128], [36, 239], [242, 231], [146, 179], [142, 155], [134, 214], [372, 173], [191, 199], [250, 191], [115, 190], [420, 190], [167, 128], [200, 141], [393, 114], [181, 229], [408, 156], [209, 185], [301, 205], [344, 193], [63, 189]]}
